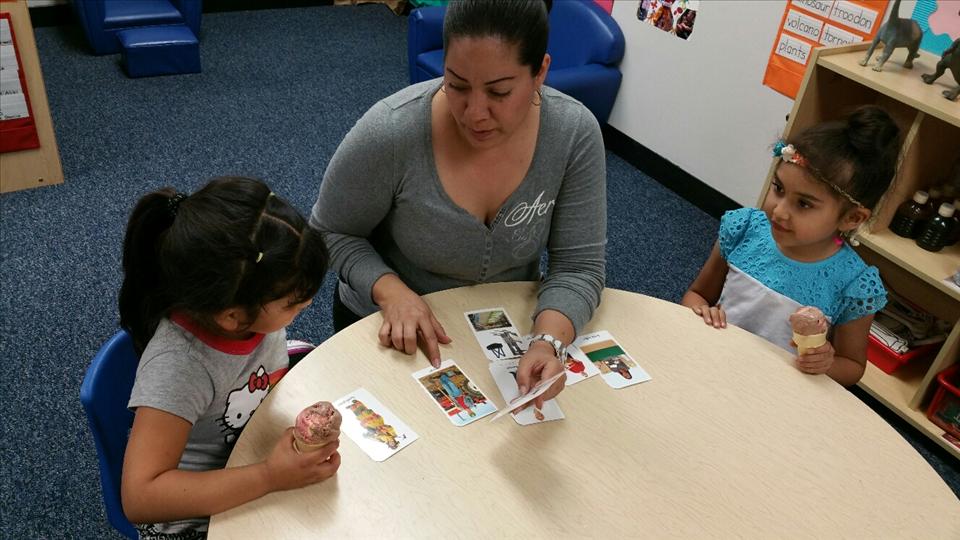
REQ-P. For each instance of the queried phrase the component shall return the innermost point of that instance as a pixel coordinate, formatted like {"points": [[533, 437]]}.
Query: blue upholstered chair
{"points": [[104, 394], [102, 19], [586, 46]]}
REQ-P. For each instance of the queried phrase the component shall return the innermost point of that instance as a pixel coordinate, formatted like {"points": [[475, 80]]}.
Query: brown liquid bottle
{"points": [[912, 215], [939, 230], [956, 230], [936, 198]]}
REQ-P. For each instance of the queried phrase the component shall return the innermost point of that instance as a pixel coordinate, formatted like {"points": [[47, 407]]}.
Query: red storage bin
{"points": [[888, 361], [944, 410]]}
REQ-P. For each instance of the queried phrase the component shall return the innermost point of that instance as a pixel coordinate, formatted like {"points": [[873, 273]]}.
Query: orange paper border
{"points": [[785, 75]]}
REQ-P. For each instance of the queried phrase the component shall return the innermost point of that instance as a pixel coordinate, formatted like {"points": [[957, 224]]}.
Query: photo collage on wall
{"points": [[673, 16]]}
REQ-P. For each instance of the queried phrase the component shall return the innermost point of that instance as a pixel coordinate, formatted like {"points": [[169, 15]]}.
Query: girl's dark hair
{"points": [[857, 154], [199, 255], [521, 22]]}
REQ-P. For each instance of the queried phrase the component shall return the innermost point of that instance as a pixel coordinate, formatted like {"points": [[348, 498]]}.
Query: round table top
{"points": [[727, 439]]}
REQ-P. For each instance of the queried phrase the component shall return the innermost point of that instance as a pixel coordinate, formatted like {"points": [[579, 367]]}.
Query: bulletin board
{"points": [[26, 165], [807, 24]]}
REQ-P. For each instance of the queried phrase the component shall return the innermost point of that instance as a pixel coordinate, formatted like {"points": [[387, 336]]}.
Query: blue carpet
{"points": [[278, 91]]}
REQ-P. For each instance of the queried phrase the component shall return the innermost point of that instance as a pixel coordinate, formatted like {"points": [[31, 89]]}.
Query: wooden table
{"points": [[727, 440]]}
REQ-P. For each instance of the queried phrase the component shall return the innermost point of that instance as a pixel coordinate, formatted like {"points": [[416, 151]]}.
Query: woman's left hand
{"points": [[818, 360], [538, 363]]}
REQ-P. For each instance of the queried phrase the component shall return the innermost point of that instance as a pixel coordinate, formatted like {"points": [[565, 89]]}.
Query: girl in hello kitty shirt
{"points": [[211, 280]]}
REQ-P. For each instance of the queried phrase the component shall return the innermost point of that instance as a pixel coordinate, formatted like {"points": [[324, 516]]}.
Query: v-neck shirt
{"points": [[383, 209]]}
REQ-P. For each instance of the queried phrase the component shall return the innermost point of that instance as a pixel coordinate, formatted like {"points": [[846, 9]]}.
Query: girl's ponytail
{"points": [[231, 244], [142, 300], [875, 142], [871, 131]]}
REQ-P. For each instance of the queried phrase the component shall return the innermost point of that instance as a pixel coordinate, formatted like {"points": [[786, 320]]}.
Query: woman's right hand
{"points": [[407, 320], [712, 315], [288, 469]]}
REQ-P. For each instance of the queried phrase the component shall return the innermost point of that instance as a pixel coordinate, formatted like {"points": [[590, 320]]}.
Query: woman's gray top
{"points": [[382, 209]]}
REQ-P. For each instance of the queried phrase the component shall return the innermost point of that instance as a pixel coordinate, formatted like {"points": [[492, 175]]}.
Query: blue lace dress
{"points": [[764, 287]]}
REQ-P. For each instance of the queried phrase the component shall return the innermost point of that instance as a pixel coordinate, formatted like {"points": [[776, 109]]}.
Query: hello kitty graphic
{"points": [[242, 402]]}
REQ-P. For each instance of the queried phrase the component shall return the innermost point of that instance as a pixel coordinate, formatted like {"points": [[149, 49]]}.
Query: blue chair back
{"points": [[104, 394], [585, 44], [582, 33]]}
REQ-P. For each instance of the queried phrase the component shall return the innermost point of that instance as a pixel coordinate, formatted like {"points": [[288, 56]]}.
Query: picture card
{"points": [[505, 375], [542, 386], [617, 368], [496, 334], [457, 396], [372, 426], [578, 369]]}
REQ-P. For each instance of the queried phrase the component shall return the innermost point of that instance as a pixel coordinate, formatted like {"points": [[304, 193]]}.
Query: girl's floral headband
{"points": [[789, 154]]}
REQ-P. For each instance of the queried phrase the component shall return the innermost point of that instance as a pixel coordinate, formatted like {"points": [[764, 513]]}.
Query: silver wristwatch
{"points": [[559, 348]]}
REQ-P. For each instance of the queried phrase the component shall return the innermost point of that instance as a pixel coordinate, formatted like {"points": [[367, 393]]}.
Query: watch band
{"points": [[559, 349]]}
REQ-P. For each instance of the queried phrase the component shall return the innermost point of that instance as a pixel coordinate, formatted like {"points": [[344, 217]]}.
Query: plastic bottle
{"points": [[936, 198], [938, 230], [956, 229], [949, 193], [912, 215]]}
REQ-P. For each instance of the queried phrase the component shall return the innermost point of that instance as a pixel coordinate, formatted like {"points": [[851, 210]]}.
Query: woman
{"points": [[466, 180]]}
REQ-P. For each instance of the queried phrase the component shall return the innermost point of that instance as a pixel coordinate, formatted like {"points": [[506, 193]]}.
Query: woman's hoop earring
{"points": [[539, 101]]}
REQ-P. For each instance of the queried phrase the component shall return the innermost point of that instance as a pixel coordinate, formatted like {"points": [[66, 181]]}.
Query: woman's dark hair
{"points": [[231, 244], [857, 154], [521, 22]]}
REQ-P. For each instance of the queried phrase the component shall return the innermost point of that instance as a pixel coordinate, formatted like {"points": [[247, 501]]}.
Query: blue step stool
{"points": [[159, 50]]}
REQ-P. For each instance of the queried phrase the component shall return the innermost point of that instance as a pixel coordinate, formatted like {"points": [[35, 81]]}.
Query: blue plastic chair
{"points": [[585, 46], [104, 394]]}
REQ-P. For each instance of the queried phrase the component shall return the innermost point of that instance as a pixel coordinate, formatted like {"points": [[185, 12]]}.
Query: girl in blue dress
{"points": [[769, 262]]}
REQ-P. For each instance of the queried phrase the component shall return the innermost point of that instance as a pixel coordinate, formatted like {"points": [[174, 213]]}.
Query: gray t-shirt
{"points": [[213, 383], [382, 210]]}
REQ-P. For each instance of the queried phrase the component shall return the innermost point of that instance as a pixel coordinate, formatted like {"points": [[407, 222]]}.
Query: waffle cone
{"points": [[805, 343], [303, 447]]}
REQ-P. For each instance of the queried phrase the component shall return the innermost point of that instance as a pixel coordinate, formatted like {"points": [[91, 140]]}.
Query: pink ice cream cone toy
{"points": [[809, 328], [318, 425]]}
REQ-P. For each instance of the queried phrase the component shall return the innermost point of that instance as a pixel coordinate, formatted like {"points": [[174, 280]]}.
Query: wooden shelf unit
{"points": [[835, 82]]}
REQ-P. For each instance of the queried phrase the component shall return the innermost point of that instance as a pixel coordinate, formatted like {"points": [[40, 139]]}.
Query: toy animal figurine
{"points": [[896, 33], [950, 60]]}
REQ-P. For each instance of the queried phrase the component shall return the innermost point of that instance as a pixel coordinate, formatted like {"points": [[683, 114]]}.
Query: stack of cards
{"points": [[503, 346], [460, 399], [505, 375]]}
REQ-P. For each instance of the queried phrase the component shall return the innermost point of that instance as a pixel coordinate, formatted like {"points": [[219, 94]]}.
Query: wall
{"points": [[700, 103]]}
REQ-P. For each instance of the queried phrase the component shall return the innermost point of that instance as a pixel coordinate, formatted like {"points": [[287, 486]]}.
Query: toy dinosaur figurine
{"points": [[950, 60], [896, 33]]}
